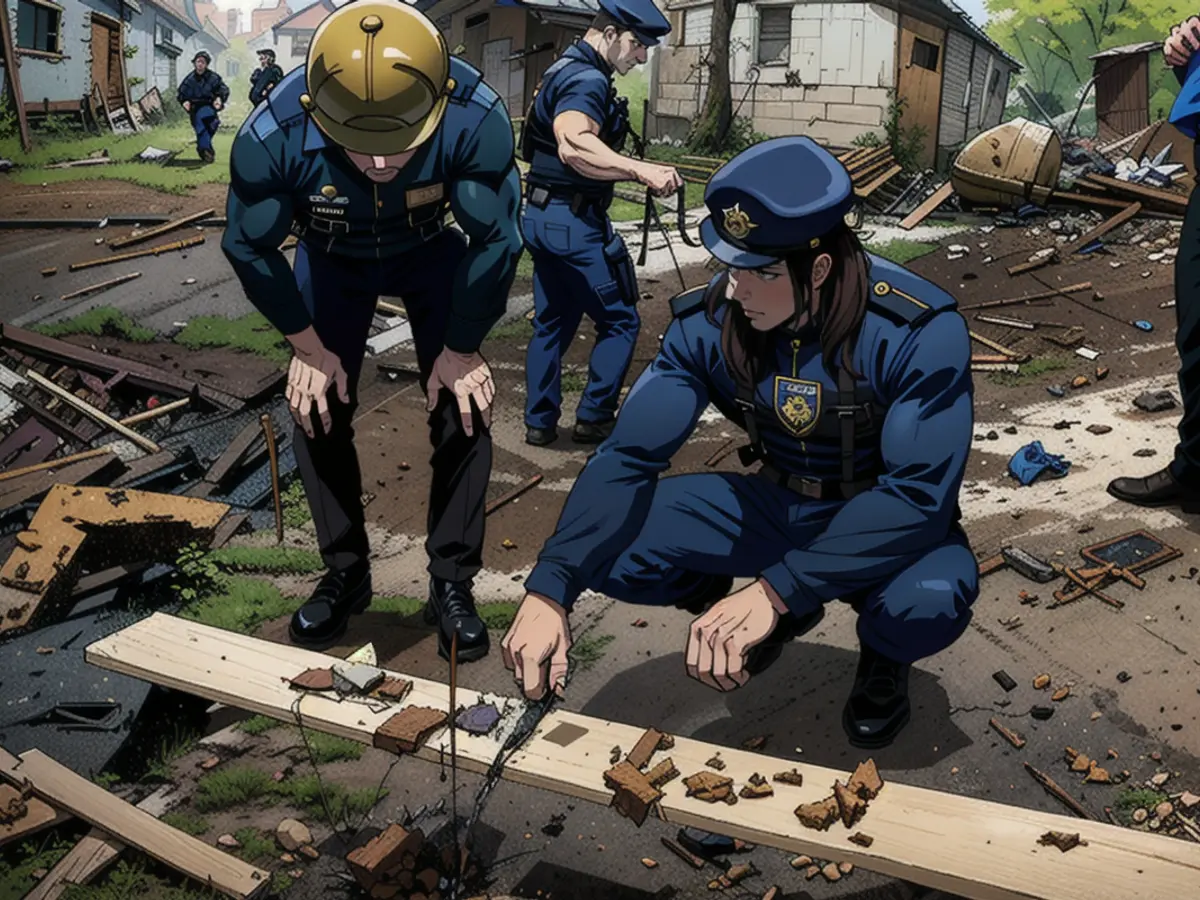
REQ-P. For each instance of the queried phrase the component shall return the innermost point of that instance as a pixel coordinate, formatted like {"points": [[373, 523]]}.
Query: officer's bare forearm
{"points": [[592, 158]]}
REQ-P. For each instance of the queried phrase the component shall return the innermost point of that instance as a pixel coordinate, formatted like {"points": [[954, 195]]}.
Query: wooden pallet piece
{"points": [[978, 849], [875, 184], [210, 866], [936, 199], [36, 484], [1170, 200], [130, 525], [160, 230]]}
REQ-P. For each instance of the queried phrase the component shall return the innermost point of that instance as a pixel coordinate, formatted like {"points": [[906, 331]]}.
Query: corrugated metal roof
{"points": [[978, 32], [1128, 50]]}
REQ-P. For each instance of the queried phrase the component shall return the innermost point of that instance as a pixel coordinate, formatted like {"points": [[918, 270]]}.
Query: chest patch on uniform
{"points": [[328, 211], [321, 199], [797, 403], [420, 196]]}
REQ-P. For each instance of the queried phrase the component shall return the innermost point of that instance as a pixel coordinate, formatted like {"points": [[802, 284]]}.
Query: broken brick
{"points": [[851, 806], [1081, 764], [863, 840], [314, 680], [831, 872], [793, 778], [662, 773], [845, 867], [740, 872], [708, 786], [1061, 840], [812, 872], [1041, 682], [406, 731], [643, 750], [1098, 775], [383, 853], [395, 689], [819, 816], [865, 782], [1061, 694], [801, 862], [716, 763], [634, 795]]}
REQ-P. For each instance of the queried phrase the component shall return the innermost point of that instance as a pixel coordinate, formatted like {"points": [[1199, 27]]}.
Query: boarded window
{"points": [[925, 54], [38, 27], [697, 26], [300, 43], [775, 35]]}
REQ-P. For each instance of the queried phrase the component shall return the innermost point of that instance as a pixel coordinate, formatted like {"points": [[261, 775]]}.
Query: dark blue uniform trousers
{"points": [[205, 123], [580, 266], [341, 294], [740, 525], [1186, 464]]}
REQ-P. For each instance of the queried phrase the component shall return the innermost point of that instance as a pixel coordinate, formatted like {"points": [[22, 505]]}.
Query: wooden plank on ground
{"points": [[973, 848], [936, 199], [31, 442], [1170, 200], [95, 851], [208, 865], [39, 815], [1115, 221], [36, 484], [92, 413], [160, 230], [874, 184], [147, 465]]}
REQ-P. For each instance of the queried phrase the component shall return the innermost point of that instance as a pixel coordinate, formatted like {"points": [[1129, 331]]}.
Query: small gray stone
{"points": [[478, 719], [1057, 390], [357, 679], [1155, 401], [1099, 429], [1145, 451]]}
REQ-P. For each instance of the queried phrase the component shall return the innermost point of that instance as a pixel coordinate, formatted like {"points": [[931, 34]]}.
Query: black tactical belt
{"points": [[814, 489], [340, 228], [539, 195]]}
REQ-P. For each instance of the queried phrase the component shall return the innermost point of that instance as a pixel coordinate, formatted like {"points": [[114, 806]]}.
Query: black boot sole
{"points": [[880, 741], [578, 438], [324, 643], [541, 442], [465, 654]]}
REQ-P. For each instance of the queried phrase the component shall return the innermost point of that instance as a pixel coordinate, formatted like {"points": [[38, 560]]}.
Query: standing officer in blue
{"points": [[572, 138], [362, 153], [265, 77], [851, 377], [202, 93]]}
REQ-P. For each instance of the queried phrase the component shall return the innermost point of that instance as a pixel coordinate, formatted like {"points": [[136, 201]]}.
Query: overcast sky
{"points": [[976, 9]]}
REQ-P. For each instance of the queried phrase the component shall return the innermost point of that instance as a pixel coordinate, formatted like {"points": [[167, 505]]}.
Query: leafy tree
{"points": [[711, 128]]}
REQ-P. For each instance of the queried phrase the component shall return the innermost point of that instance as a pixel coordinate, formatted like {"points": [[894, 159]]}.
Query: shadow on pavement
{"points": [[797, 703]]}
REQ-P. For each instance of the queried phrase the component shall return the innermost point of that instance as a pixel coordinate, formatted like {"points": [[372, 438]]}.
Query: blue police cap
{"points": [[641, 17], [777, 197]]}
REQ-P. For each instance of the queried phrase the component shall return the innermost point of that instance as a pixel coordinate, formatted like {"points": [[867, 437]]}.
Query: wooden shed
{"points": [[1122, 76]]}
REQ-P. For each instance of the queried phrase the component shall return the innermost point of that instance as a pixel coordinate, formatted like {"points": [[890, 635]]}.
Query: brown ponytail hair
{"points": [[839, 314]]}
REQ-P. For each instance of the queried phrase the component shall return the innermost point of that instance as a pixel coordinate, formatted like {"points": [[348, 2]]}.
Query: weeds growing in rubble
{"points": [[103, 321], [329, 748], [1136, 798], [130, 880], [588, 651], [251, 333], [187, 823], [296, 513], [255, 845], [256, 725], [272, 560], [1033, 369], [901, 251], [179, 744], [240, 786], [44, 852]]}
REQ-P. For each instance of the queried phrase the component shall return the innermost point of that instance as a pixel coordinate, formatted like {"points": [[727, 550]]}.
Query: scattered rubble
{"points": [[1061, 840], [293, 834]]}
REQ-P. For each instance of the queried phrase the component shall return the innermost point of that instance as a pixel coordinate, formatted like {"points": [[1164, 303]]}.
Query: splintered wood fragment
{"points": [[793, 778], [708, 786], [1043, 258], [395, 689], [314, 680], [634, 796], [756, 788], [512, 495], [1050, 787], [662, 773], [137, 254], [406, 731], [936, 199], [851, 806], [1115, 221], [865, 781], [716, 762], [643, 750], [384, 852], [688, 857], [863, 840], [999, 348], [102, 286], [1011, 736], [820, 815], [1062, 840], [159, 230]]}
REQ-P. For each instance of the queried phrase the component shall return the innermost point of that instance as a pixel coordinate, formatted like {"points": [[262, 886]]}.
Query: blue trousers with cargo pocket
{"points": [[205, 123], [580, 267], [740, 525]]}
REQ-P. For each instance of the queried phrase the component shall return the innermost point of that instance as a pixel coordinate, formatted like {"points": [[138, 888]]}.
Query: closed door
{"points": [[496, 66], [108, 69], [922, 47]]}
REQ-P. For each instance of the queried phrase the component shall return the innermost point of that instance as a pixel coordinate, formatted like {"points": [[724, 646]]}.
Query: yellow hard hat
{"points": [[378, 76]]}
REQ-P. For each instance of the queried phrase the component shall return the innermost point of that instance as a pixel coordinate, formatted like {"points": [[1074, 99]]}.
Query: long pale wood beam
{"points": [[975, 848]]}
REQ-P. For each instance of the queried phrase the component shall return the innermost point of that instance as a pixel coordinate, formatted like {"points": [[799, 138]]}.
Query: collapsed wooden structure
{"points": [[974, 848]]}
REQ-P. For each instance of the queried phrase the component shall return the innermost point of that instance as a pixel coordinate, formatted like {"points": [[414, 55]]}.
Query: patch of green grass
{"points": [[329, 748], [179, 744], [256, 845], [628, 211], [524, 268], [274, 560], [130, 881], [574, 382], [106, 780], [296, 513], [240, 786], [235, 786], [239, 604], [589, 651], [251, 333], [498, 616], [520, 328], [1035, 368], [398, 606], [281, 881], [187, 823], [256, 725], [16, 874], [1131, 798], [103, 321], [305, 794], [901, 250]]}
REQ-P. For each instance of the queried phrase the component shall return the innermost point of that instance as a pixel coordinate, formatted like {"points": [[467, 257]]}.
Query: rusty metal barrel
{"points": [[1014, 163]]}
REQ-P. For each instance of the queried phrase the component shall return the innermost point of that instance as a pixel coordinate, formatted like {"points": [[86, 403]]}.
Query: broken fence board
{"points": [[158, 230], [137, 828], [977, 849], [872, 186], [1172, 200], [1114, 221], [936, 199]]}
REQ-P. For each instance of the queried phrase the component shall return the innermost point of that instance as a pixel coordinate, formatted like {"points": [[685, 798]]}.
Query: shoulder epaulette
{"points": [[899, 305], [467, 80], [688, 302]]}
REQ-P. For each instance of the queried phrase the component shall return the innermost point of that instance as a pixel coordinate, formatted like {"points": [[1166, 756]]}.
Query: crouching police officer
{"points": [[362, 153], [572, 138], [265, 77], [851, 377], [202, 93]]}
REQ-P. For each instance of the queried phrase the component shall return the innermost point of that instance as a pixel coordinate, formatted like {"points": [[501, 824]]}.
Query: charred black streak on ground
{"points": [[1172, 759], [1170, 644], [997, 711], [1043, 653]]}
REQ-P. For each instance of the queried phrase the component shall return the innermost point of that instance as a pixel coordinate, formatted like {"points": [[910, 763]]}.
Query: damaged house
{"points": [[826, 70]]}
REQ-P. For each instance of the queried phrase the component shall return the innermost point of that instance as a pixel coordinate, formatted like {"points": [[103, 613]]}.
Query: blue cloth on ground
{"points": [[1032, 460]]}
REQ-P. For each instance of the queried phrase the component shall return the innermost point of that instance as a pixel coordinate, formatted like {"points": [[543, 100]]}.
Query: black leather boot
{"points": [[1158, 489], [592, 432], [878, 707], [540, 437], [339, 594], [451, 608], [711, 588]]}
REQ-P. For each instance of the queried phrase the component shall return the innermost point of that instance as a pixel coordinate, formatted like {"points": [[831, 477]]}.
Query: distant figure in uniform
{"points": [[572, 138], [1179, 483], [363, 153], [265, 77], [851, 377], [202, 93]]}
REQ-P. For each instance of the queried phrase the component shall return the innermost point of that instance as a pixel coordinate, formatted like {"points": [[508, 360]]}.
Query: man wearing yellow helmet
{"points": [[363, 153]]}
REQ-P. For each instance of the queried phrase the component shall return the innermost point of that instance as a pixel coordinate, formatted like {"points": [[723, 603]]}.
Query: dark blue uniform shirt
{"points": [[202, 89], [285, 176], [578, 81], [261, 79], [913, 353]]}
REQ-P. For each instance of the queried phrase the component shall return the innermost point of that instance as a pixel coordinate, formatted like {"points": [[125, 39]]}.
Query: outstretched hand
{"points": [[719, 639], [468, 377]]}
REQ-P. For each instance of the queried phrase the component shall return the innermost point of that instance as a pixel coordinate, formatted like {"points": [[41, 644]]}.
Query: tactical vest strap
{"points": [[753, 451], [846, 410]]}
